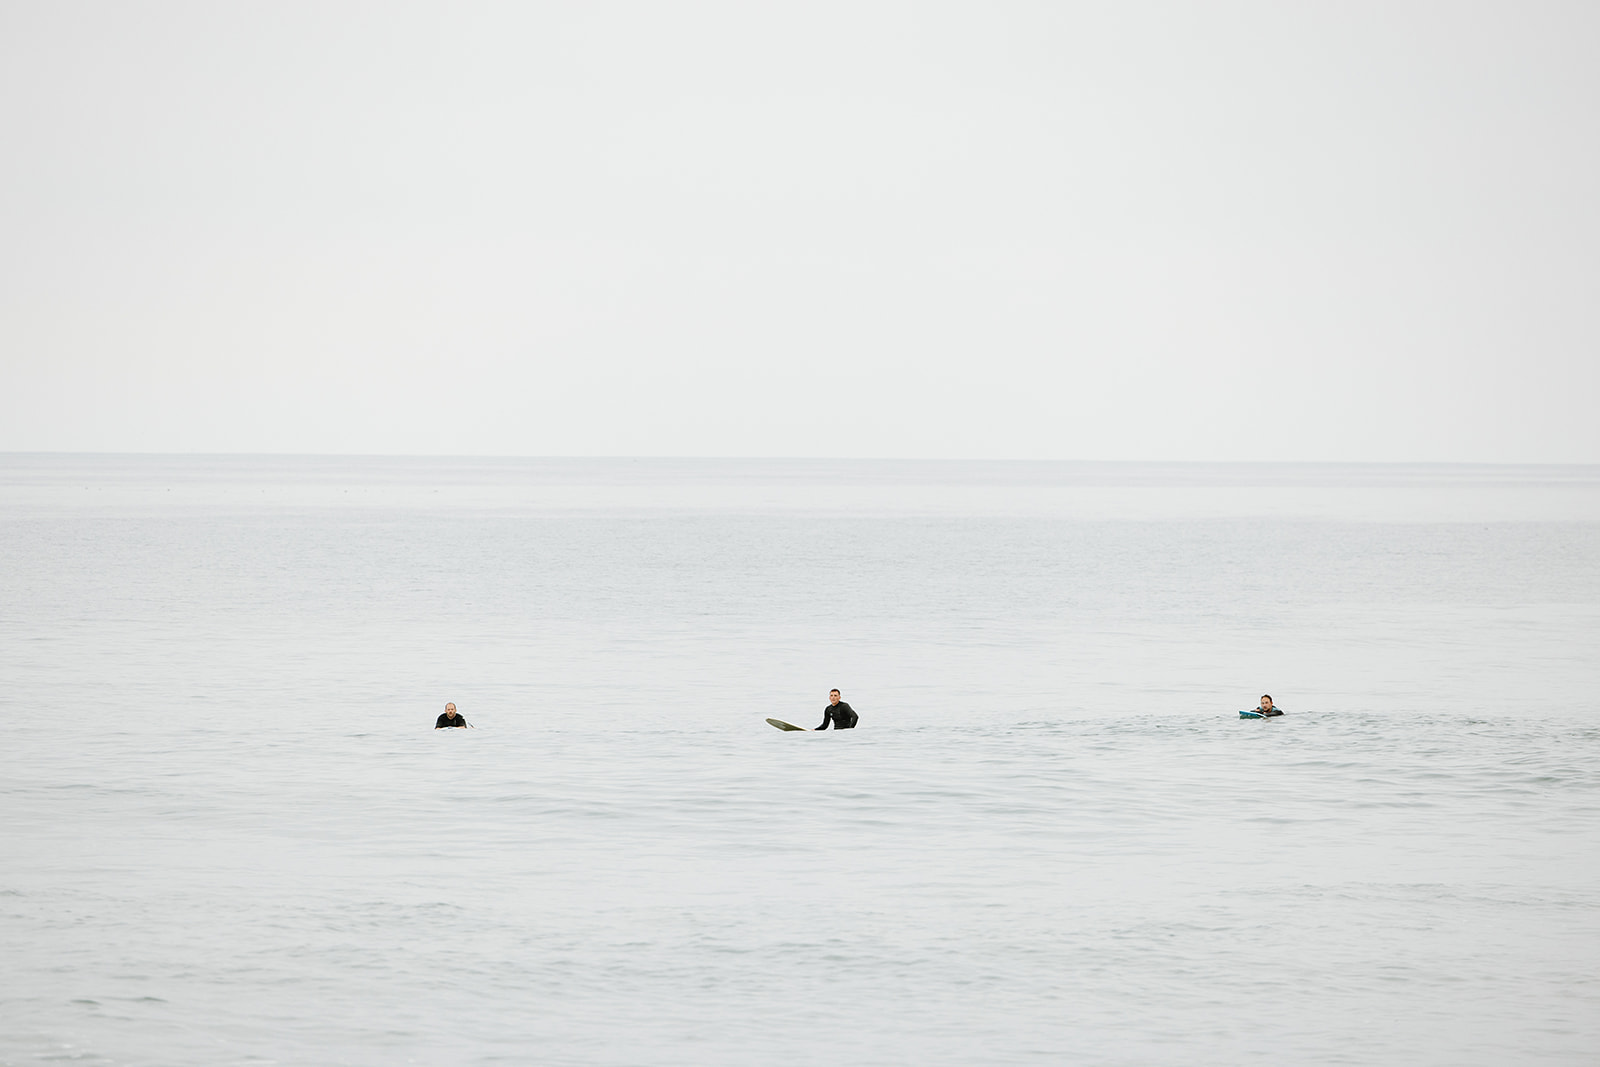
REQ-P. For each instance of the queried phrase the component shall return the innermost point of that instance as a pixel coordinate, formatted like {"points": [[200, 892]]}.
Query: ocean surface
{"points": [[230, 834]]}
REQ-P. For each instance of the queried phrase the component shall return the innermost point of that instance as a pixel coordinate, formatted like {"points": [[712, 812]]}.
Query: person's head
{"points": [[450, 710], [1266, 701], [833, 696]]}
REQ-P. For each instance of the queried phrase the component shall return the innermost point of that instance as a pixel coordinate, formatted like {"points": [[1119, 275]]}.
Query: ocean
{"points": [[232, 835]]}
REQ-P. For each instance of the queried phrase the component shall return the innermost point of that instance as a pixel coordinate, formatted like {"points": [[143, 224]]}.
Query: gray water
{"points": [[232, 837]]}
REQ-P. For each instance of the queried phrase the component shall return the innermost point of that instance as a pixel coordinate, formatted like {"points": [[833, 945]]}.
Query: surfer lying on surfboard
{"points": [[449, 718], [1267, 710], [842, 715]]}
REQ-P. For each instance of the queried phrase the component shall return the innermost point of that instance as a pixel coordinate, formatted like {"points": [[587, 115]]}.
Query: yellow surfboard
{"points": [[780, 724]]}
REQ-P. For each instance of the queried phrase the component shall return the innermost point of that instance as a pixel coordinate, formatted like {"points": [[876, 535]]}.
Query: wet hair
{"points": [[833, 691], [1266, 696]]}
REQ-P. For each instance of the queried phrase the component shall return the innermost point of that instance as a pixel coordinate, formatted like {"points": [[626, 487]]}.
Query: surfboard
{"points": [[780, 724], [1251, 715]]}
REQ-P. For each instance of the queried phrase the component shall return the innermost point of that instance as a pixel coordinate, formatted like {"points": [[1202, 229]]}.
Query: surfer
{"points": [[449, 718], [1268, 710], [842, 715]]}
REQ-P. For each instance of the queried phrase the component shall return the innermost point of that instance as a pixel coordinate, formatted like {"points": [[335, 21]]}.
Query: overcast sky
{"points": [[1336, 231]]}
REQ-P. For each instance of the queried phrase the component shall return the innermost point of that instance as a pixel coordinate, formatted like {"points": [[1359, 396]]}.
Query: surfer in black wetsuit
{"points": [[842, 715], [449, 718], [1268, 709]]}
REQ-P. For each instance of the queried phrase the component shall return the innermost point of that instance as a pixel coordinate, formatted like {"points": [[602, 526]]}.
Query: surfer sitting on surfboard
{"points": [[842, 715]]}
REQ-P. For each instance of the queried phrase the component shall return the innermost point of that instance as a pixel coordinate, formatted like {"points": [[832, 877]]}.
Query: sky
{"points": [[1118, 231]]}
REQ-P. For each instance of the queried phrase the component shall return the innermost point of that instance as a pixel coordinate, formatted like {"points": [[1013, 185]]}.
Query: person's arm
{"points": [[827, 717]]}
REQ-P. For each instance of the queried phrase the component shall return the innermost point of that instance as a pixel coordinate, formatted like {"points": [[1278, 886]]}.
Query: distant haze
{"points": [[1339, 231]]}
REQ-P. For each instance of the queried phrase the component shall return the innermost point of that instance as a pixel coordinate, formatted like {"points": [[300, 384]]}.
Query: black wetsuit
{"points": [[446, 720], [842, 715], [1269, 712]]}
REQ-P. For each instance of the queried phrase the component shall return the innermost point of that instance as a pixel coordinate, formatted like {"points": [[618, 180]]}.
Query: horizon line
{"points": [[130, 454]]}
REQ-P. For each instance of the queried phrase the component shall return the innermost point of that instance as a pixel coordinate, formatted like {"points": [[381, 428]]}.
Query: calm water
{"points": [[231, 836]]}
